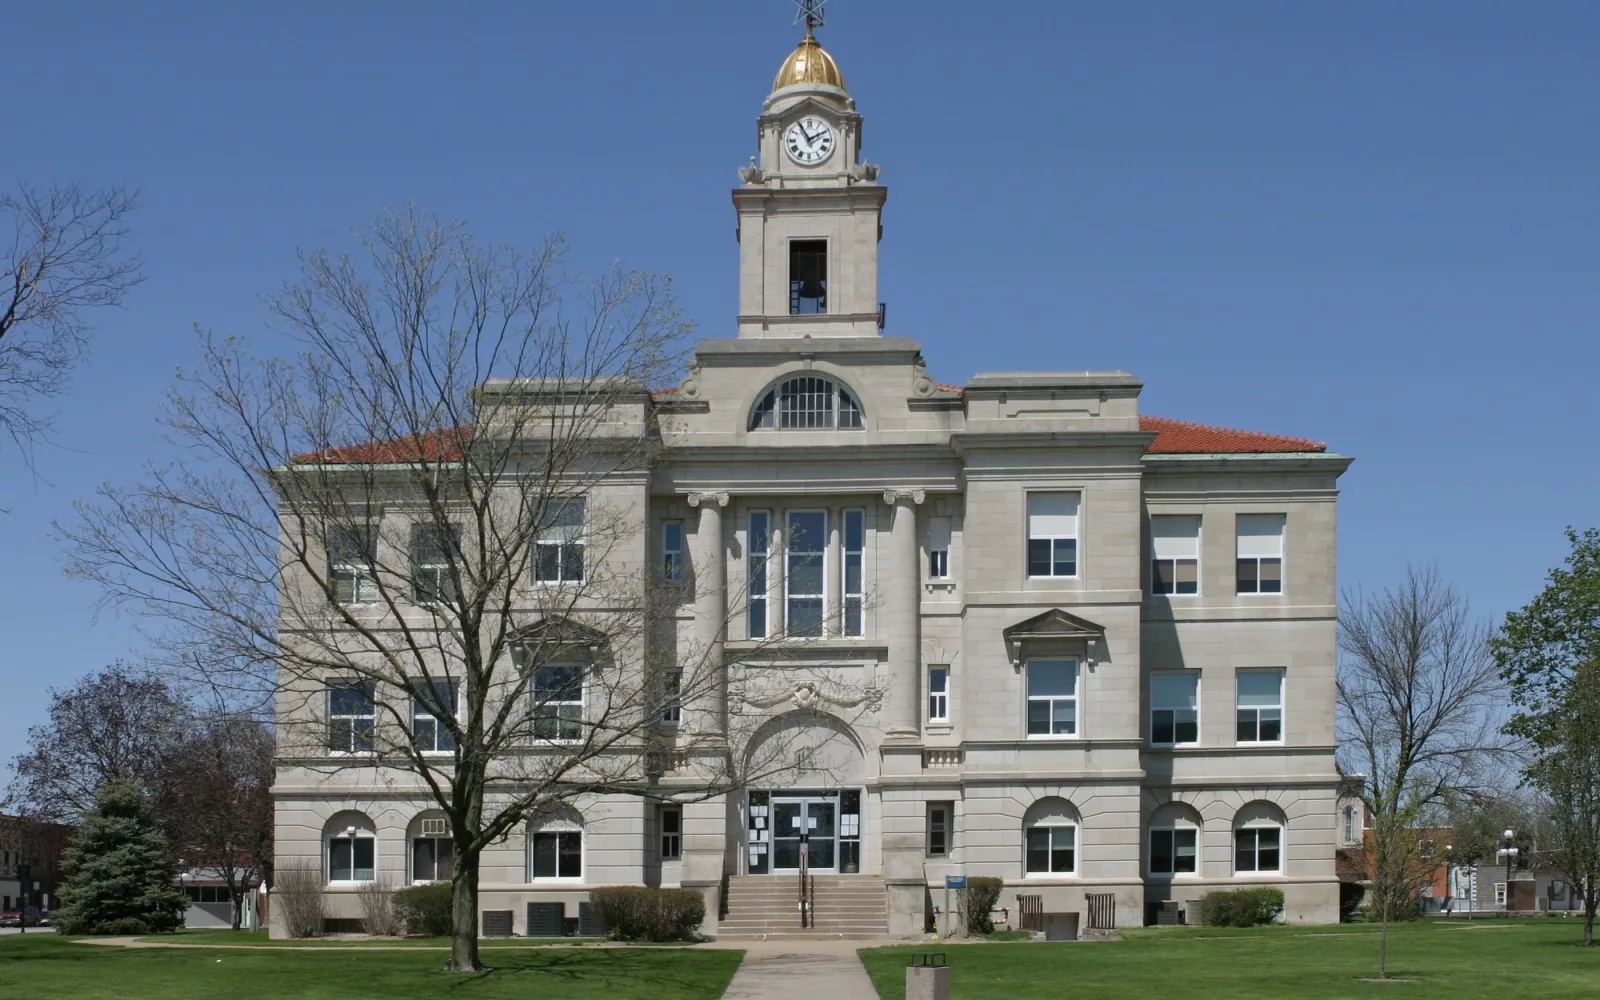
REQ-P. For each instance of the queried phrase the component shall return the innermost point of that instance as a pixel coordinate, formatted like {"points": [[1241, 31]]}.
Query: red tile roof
{"points": [[1173, 437], [1179, 437]]}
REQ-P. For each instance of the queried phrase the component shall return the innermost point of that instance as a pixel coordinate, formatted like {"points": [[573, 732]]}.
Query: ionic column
{"points": [[902, 616], [710, 604]]}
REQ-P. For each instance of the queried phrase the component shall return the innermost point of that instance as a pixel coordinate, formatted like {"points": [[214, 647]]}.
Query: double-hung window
{"points": [[671, 820], [1257, 849], [1174, 708], [1052, 697], [352, 565], [351, 716], [434, 702], [1053, 534], [1052, 850], [807, 548], [672, 551], [352, 858], [759, 547], [1349, 824], [939, 826], [558, 702], [558, 553], [855, 588], [938, 548], [1260, 553], [434, 547], [1175, 554], [938, 694], [671, 693], [1172, 852], [1260, 710]]}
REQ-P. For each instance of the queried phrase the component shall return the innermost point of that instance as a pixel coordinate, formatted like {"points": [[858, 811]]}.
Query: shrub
{"points": [[636, 913], [983, 891], [378, 916], [1241, 907], [123, 925], [296, 900], [426, 909]]}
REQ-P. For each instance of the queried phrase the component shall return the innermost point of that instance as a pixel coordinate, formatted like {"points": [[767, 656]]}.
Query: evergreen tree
{"points": [[122, 879]]}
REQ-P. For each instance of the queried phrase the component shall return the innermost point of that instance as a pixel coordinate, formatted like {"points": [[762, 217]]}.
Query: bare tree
{"points": [[61, 254], [437, 574], [215, 801], [1416, 692], [121, 723]]}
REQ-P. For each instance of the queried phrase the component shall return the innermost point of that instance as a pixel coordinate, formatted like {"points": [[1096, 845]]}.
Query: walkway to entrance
{"points": [[800, 970]]}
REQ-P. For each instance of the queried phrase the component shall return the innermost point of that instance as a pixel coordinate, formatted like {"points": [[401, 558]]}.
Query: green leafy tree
{"points": [[1549, 655], [123, 879]]}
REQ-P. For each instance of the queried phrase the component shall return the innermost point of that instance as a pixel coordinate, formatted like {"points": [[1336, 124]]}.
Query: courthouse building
{"points": [[1100, 644]]}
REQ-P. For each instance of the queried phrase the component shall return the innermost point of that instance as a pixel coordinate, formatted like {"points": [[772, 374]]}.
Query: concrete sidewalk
{"points": [[801, 970]]}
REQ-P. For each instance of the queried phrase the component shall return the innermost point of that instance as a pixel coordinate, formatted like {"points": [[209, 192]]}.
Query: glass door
{"points": [[810, 822]]}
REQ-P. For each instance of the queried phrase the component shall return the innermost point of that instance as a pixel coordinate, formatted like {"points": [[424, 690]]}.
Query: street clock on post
{"points": [[809, 141]]}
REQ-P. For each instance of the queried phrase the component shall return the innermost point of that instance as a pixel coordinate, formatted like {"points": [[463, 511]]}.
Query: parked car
{"points": [[14, 918]]}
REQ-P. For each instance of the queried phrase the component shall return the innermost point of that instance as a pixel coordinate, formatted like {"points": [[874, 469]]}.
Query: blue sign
{"points": [[955, 881]]}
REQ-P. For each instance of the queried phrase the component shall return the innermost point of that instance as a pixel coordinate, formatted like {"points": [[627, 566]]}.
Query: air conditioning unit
{"points": [[435, 828]]}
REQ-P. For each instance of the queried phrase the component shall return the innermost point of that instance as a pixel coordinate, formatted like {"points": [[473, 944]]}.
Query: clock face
{"points": [[809, 141]]}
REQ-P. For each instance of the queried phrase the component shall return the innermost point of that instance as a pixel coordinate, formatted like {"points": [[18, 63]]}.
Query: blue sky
{"points": [[1373, 224]]}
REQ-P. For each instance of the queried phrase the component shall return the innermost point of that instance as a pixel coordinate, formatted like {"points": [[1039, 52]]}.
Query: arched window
{"points": [[350, 843], [1258, 840], [555, 847], [1050, 833], [432, 849], [808, 402], [1174, 841]]}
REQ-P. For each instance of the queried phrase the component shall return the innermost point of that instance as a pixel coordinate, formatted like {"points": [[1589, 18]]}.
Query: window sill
{"points": [[1053, 737], [1258, 743], [942, 583], [556, 880], [1046, 876], [939, 726], [1074, 577], [1271, 874], [1171, 876]]}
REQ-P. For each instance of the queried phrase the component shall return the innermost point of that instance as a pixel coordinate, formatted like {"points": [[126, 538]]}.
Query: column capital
{"points": [[890, 497], [696, 499]]}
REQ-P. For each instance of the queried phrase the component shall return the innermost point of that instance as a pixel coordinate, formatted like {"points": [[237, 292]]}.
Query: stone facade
{"points": [[1141, 783]]}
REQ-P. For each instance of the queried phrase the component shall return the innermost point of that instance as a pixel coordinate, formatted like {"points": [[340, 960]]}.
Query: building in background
{"points": [[1104, 640], [30, 862]]}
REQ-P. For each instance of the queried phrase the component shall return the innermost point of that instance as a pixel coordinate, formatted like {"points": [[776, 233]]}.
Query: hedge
{"points": [[638, 913], [983, 891], [426, 909], [1241, 907]]}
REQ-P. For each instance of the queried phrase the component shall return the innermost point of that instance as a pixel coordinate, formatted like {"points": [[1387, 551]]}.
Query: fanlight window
{"points": [[806, 402]]}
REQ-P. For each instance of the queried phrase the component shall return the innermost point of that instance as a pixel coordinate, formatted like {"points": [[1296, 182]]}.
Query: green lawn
{"points": [[1460, 960], [46, 967], [253, 939]]}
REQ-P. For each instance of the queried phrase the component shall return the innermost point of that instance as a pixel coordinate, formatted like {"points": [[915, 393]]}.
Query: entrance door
{"points": [[813, 818]]}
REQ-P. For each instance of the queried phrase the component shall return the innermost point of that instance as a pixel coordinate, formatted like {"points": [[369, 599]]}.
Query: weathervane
{"points": [[811, 11]]}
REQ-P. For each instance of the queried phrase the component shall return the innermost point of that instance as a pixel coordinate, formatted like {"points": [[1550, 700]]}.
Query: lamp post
{"points": [[1510, 852]]}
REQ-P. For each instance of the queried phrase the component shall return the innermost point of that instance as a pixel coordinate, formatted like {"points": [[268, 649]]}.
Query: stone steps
{"points": [[843, 907]]}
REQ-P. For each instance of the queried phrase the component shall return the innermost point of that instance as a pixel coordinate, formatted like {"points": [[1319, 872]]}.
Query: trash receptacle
{"points": [[928, 977]]}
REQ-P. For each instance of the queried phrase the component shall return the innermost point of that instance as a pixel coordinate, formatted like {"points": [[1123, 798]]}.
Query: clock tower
{"points": [[809, 210]]}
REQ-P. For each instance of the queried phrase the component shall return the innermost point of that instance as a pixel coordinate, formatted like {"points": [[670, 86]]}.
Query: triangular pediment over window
{"points": [[1053, 630], [558, 638]]}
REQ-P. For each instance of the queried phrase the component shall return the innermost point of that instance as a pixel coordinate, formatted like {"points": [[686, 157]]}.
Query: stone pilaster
{"points": [[710, 607], [902, 616]]}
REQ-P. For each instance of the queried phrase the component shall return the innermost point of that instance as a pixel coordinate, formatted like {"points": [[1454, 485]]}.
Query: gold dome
{"points": [[809, 63]]}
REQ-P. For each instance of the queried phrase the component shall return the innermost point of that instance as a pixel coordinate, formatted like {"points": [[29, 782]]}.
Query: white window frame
{"points": [[948, 809], [1054, 828], [1172, 548], [758, 544], [347, 721], [844, 411], [351, 837], [670, 842], [363, 578], [939, 693], [1173, 831], [940, 531], [1053, 530], [436, 841], [854, 582], [562, 537], [420, 713], [1239, 709], [672, 554], [1258, 552], [1349, 824], [1257, 827], [1074, 699], [1176, 710], [560, 830], [1500, 894], [789, 557], [438, 569], [540, 708]]}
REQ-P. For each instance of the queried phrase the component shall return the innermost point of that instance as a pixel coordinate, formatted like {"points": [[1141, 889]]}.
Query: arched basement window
{"points": [[808, 402]]}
